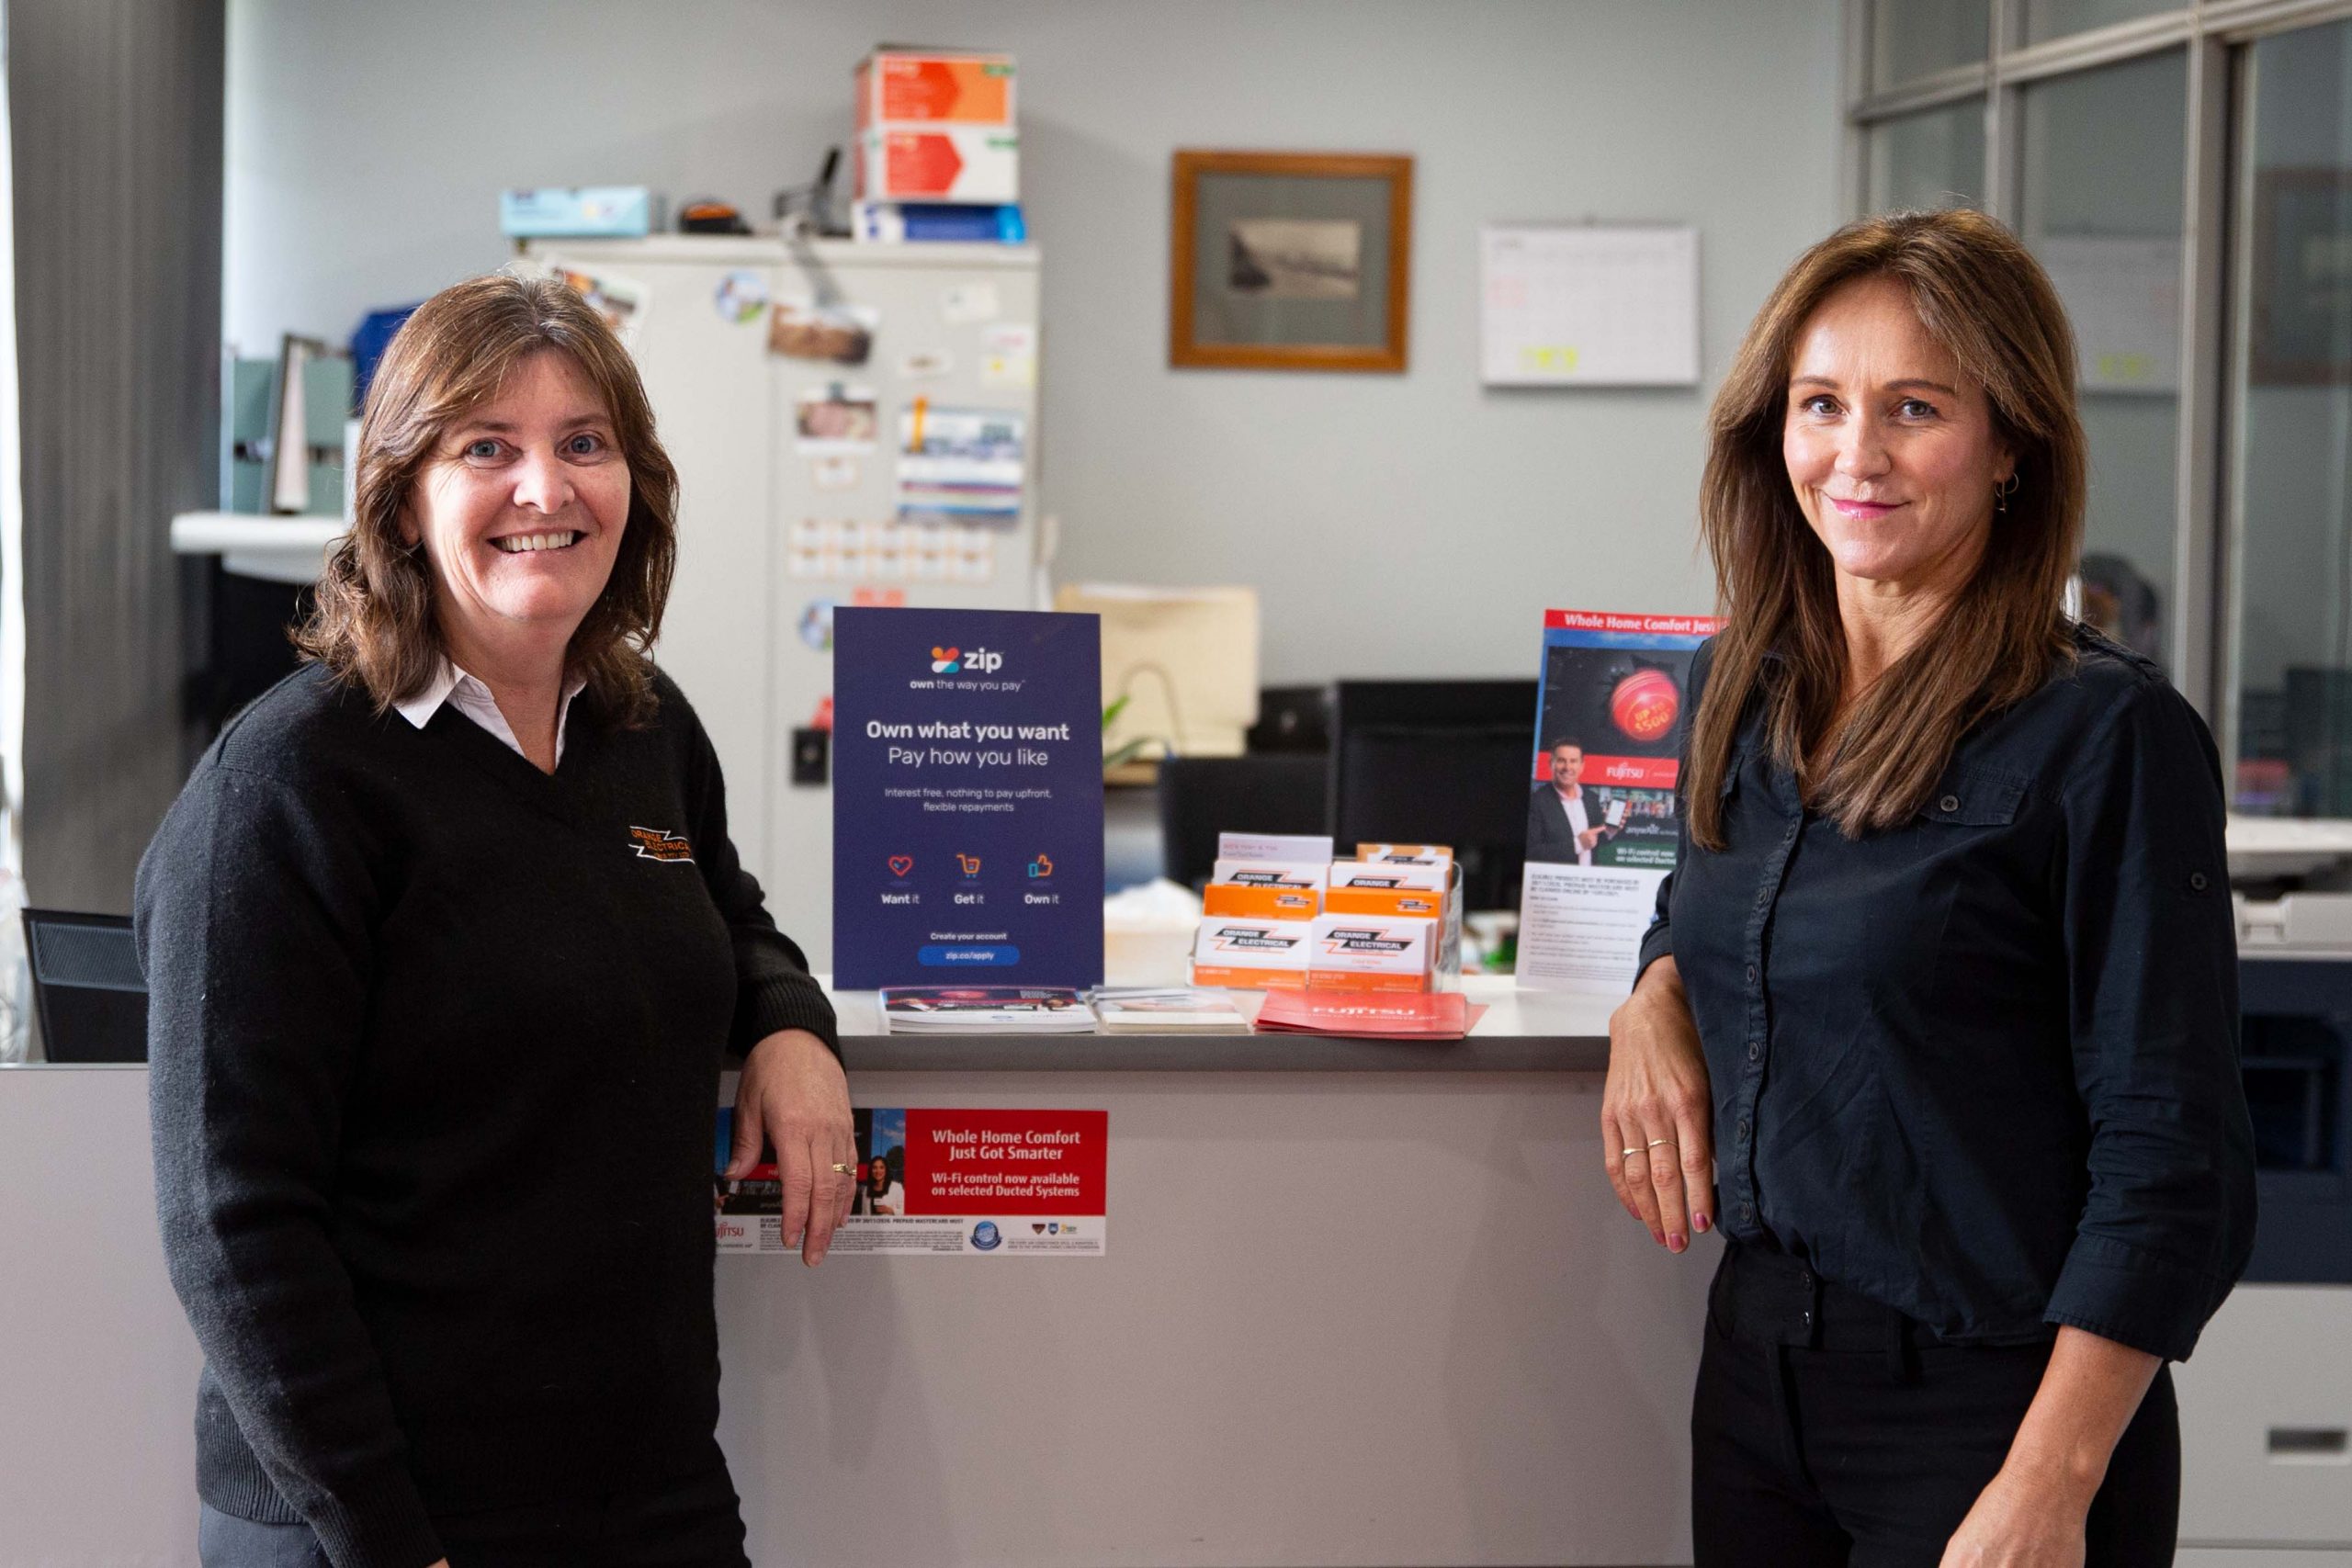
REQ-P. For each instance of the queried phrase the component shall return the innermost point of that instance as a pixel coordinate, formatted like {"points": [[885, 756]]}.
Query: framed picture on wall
{"points": [[2303, 276], [1290, 261]]}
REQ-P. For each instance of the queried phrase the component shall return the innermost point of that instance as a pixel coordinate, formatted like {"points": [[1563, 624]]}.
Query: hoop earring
{"points": [[2003, 491]]}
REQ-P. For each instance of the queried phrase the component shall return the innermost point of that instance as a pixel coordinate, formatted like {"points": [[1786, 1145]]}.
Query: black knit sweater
{"points": [[434, 1043]]}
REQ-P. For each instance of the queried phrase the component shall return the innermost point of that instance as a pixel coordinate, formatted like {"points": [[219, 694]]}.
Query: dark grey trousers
{"points": [[691, 1523]]}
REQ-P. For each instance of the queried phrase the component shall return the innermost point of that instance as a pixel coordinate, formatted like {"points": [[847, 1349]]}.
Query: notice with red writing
{"points": [[1601, 814], [944, 1183]]}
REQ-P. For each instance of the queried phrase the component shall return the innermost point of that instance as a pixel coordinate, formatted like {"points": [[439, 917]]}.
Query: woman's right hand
{"points": [[1657, 1104]]}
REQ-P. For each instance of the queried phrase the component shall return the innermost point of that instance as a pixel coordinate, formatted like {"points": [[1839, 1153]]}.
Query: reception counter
{"points": [[1363, 1303]]}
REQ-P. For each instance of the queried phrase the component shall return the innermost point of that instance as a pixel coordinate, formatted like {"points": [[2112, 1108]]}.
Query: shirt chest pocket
{"points": [[1969, 796]]}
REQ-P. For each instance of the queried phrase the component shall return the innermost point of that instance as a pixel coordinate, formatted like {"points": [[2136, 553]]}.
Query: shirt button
{"points": [[1805, 1279], [1743, 1129], [1748, 1211], [1751, 973], [1755, 1052], [1808, 1317], [2197, 881], [1949, 804]]}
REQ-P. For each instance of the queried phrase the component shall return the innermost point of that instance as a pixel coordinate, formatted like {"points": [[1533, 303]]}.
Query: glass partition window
{"points": [[2061, 19], [2291, 418], [1932, 159], [1919, 37], [2103, 204]]}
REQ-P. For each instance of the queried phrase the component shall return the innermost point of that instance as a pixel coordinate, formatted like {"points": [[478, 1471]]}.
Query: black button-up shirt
{"points": [[1984, 1067]]}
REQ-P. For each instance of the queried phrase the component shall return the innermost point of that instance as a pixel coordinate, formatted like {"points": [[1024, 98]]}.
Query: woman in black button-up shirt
{"points": [[1937, 1022]]}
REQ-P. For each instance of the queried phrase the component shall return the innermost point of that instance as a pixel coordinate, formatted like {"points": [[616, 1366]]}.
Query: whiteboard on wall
{"points": [[2123, 296], [1588, 305]]}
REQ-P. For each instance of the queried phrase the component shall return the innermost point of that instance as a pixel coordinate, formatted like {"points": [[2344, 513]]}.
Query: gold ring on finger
{"points": [[1667, 1142], [1623, 1153], [844, 1169]]}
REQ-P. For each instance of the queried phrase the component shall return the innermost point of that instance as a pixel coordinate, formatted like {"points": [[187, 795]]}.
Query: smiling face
{"points": [[1891, 451], [520, 510], [1568, 765], [879, 1172]]}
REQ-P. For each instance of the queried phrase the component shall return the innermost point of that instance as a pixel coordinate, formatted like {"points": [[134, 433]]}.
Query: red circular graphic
{"points": [[1645, 704]]}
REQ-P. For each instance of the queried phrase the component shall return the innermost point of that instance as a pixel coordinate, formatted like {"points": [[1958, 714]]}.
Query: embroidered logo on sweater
{"points": [[660, 843]]}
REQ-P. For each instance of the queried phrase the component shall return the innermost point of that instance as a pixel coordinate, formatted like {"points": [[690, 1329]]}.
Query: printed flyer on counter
{"points": [[968, 798], [1600, 810], [943, 1184]]}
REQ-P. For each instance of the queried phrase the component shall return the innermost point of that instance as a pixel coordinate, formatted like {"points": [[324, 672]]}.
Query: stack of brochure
{"points": [[1417, 1015], [1166, 1010], [985, 1009]]}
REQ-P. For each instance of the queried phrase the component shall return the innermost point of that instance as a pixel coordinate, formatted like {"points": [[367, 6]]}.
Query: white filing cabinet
{"points": [[2265, 1406]]}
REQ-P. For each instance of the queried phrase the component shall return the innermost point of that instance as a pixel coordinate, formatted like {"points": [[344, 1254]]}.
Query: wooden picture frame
{"points": [[1290, 261]]}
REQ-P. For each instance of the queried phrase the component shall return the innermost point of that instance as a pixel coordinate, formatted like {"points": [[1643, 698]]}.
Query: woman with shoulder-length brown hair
{"points": [[1937, 1023], [444, 942]]}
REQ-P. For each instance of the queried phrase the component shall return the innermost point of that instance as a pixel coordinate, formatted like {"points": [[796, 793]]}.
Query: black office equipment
{"points": [[1441, 762], [1203, 796], [2296, 1054], [87, 990], [1292, 718]]}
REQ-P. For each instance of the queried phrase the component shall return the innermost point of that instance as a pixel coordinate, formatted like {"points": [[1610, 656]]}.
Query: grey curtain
{"points": [[115, 111]]}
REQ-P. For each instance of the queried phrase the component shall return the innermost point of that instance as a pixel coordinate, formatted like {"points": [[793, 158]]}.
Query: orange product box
{"points": [[975, 164], [1365, 952], [1261, 901], [906, 86], [1253, 955]]}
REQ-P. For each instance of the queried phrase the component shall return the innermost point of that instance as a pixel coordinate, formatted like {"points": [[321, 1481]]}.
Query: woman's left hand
{"points": [[2019, 1522], [794, 1096]]}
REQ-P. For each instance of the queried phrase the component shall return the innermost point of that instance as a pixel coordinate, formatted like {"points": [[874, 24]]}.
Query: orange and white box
{"points": [[910, 87], [977, 165], [1261, 901], [1368, 952], [1253, 955]]}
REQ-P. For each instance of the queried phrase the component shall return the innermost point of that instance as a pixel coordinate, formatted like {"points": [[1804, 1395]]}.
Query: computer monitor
{"points": [[1200, 797], [1439, 762], [88, 994]]}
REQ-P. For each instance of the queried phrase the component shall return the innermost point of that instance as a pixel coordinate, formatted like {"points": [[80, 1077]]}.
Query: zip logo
{"points": [[955, 661], [660, 843]]}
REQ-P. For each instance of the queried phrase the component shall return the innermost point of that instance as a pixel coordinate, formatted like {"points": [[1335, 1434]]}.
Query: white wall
{"points": [[1400, 524]]}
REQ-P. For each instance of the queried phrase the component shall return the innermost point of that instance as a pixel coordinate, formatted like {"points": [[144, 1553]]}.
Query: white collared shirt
{"points": [[1578, 821], [471, 698]]}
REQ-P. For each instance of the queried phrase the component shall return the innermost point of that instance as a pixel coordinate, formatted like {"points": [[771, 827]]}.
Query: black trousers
{"points": [[1828, 1429], [695, 1523]]}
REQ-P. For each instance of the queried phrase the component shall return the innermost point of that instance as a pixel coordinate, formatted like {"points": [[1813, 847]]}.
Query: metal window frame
{"points": [[2200, 628]]}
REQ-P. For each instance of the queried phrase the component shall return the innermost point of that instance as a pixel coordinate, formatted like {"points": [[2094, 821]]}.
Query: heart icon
{"points": [[901, 865]]}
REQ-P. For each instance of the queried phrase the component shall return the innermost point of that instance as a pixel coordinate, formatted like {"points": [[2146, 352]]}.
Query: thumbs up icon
{"points": [[1042, 866]]}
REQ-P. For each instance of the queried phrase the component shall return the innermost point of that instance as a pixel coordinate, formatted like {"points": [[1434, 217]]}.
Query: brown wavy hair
{"points": [[1982, 296], [374, 625]]}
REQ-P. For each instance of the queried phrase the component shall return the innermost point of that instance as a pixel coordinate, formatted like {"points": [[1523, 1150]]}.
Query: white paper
{"points": [[1009, 354], [960, 304], [1570, 305], [1580, 928]]}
